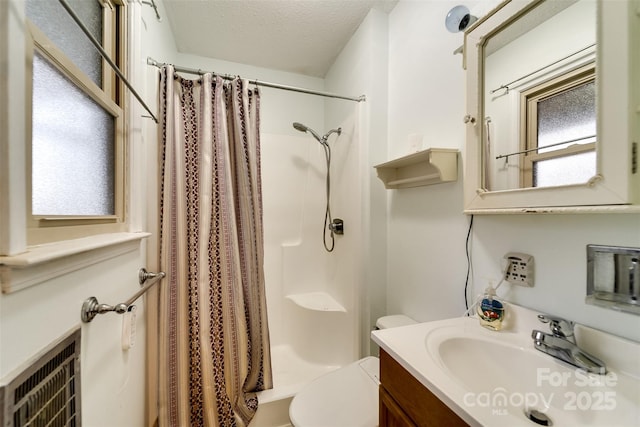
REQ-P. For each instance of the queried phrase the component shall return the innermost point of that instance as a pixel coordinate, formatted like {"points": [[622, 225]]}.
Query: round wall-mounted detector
{"points": [[458, 19]]}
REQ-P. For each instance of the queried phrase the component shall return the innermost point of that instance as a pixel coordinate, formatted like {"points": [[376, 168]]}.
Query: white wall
{"points": [[361, 68], [112, 379], [427, 230]]}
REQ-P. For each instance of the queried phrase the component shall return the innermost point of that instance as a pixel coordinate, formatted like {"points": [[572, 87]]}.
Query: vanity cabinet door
{"points": [[404, 401], [392, 415]]}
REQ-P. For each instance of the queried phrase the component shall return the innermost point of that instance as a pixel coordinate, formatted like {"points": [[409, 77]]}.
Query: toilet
{"points": [[346, 397]]}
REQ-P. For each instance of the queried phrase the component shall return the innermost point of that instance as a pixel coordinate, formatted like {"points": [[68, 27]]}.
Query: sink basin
{"points": [[498, 373], [496, 364], [493, 378]]}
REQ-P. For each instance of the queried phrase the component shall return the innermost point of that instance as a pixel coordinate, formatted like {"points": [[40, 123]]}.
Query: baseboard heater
{"points": [[47, 391]]}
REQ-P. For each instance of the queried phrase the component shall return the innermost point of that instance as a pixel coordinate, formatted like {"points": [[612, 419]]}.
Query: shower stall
{"points": [[312, 293]]}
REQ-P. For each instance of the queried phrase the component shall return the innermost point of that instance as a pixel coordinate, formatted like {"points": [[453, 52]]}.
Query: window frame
{"points": [[529, 99], [51, 228]]}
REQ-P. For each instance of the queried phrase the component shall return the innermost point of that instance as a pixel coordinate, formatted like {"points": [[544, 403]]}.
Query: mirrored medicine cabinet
{"points": [[553, 107]]}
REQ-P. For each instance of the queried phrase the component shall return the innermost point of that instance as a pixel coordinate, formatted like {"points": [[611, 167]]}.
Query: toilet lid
{"points": [[347, 397]]}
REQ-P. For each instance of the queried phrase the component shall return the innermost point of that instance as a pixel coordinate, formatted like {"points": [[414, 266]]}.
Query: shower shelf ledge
{"points": [[317, 301], [427, 167]]}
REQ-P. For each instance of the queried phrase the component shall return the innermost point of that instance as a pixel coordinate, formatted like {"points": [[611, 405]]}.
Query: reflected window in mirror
{"points": [[559, 131], [527, 65], [522, 45]]}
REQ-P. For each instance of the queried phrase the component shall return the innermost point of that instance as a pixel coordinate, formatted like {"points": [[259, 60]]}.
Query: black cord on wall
{"points": [[466, 282]]}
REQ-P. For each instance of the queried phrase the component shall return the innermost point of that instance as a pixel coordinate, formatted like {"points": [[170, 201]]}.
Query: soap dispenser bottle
{"points": [[491, 310]]}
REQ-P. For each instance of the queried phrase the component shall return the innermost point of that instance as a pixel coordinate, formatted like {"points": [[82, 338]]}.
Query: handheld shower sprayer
{"points": [[322, 140], [302, 128], [334, 226]]}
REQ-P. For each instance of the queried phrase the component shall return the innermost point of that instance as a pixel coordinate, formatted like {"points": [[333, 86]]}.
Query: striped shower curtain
{"points": [[213, 336]]}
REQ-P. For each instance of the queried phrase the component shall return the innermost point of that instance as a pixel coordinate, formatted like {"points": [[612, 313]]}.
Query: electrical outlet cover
{"points": [[519, 269]]}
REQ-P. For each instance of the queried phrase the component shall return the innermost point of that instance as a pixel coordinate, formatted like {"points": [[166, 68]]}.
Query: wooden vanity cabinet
{"points": [[405, 402]]}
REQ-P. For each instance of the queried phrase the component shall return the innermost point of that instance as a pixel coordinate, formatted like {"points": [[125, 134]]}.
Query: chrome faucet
{"points": [[561, 344]]}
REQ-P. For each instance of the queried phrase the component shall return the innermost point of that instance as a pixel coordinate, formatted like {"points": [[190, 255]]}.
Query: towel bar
{"points": [[91, 307]]}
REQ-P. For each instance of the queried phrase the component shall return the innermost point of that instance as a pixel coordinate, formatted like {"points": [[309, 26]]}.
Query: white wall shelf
{"points": [[317, 301], [427, 167]]}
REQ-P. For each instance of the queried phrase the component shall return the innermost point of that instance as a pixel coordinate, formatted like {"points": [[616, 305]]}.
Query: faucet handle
{"points": [[559, 326]]}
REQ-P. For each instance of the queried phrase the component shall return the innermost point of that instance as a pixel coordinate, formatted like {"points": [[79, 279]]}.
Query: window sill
{"points": [[47, 261]]}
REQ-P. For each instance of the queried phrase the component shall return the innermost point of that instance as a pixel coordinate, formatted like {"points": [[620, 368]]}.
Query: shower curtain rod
{"points": [[151, 61]]}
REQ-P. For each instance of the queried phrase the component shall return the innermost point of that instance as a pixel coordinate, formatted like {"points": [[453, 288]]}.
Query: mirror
{"points": [[543, 80], [539, 98]]}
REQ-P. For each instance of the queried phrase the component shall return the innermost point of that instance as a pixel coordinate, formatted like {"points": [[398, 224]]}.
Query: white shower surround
{"points": [[309, 341]]}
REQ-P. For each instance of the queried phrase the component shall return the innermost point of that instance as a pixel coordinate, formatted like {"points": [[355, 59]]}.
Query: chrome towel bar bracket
{"points": [[144, 275], [91, 307]]}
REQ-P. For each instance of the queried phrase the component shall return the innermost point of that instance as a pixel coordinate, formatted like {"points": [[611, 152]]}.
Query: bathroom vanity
{"points": [[405, 402], [455, 372]]}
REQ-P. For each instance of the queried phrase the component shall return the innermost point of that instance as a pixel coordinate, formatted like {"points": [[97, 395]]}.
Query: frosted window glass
{"points": [[72, 148], [567, 116], [574, 169], [54, 21]]}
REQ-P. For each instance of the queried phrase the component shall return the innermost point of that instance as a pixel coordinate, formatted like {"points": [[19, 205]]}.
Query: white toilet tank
{"points": [[347, 397], [394, 321]]}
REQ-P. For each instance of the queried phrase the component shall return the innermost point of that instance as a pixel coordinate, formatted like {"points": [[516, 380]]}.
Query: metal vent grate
{"points": [[47, 393]]}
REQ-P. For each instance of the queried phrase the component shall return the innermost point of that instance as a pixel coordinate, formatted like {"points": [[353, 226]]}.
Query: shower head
{"points": [[300, 127], [303, 128]]}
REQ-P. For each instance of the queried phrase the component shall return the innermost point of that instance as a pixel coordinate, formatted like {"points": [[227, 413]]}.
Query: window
{"points": [[77, 140], [559, 132]]}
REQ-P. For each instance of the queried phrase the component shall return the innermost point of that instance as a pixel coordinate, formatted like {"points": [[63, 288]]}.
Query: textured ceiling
{"points": [[299, 36]]}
